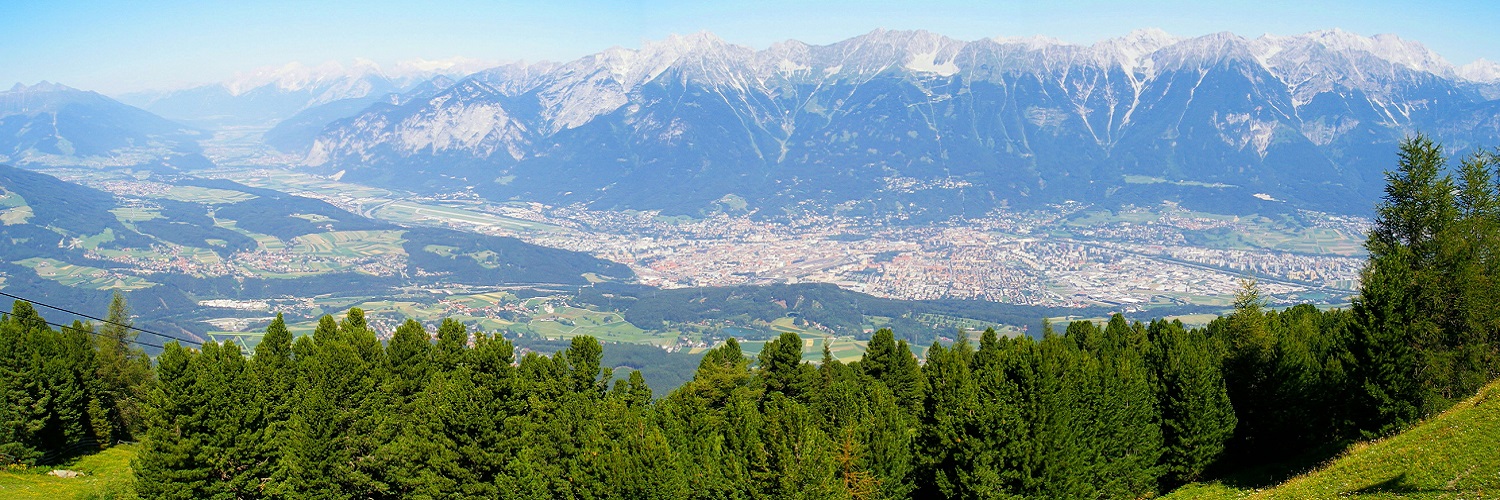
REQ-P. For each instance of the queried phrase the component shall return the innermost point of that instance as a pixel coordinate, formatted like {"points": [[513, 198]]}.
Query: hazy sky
{"points": [[124, 45]]}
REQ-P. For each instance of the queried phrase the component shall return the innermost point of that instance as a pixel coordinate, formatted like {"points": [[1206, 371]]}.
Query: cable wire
{"points": [[12, 314], [105, 321]]}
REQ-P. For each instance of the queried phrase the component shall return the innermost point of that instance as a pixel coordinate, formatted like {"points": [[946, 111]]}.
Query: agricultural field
{"points": [[93, 242], [265, 241], [84, 276], [353, 244], [130, 215], [16, 215], [485, 258], [1301, 234], [565, 322], [11, 200], [1259, 233]]}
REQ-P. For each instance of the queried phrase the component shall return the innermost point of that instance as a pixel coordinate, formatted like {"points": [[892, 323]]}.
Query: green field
{"points": [[566, 322], [11, 200], [1106, 217], [266, 241], [1252, 232], [16, 215], [350, 244], [129, 215], [1261, 233], [314, 218], [83, 276], [93, 242], [107, 474], [485, 258]]}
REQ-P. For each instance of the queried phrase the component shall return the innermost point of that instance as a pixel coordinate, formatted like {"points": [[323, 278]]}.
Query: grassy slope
{"points": [[107, 471], [1453, 455]]}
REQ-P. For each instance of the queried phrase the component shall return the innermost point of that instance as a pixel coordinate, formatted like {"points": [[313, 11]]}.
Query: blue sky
{"points": [[120, 46]]}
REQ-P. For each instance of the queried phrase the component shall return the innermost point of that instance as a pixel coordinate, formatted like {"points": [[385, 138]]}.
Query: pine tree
{"points": [[273, 372], [171, 463], [124, 370], [781, 367], [1197, 417], [947, 442]]}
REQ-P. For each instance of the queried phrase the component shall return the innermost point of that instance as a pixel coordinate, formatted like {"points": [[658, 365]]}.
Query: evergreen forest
{"points": [[1123, 409]]}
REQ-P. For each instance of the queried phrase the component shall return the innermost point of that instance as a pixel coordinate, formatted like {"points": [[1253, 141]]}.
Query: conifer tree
{"points": [[1402, 291], [1197, 417], [781, 367], [124, 369]]}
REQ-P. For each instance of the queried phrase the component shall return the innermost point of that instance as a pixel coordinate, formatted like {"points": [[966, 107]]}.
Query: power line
{"points": [[12, 313], [105, 321]]}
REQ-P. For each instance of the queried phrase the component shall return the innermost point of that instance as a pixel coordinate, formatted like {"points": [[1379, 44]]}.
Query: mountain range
{"points": [[894, 124], [911, 123], [53, 124], [272, 94]]}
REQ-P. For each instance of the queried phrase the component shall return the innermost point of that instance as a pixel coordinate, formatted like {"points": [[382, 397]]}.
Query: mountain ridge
{"points": [[54, 124], [1003, 122]]}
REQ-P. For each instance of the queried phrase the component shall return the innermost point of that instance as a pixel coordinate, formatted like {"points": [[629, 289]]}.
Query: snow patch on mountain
{"points": [[296, 76], [1481, 70]]}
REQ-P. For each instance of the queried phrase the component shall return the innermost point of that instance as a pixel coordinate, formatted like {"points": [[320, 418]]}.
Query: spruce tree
{"points": [[124, 369]]}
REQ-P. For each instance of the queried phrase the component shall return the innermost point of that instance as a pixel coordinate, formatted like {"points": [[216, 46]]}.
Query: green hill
{"points": [[1453, 455]]}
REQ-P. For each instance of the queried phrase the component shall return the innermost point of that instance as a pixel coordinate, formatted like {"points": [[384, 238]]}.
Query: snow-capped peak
{"points": [[1481, 70], [1031, 42], [296, 76], [451, 67], [1133, 50], [1390, 48]]}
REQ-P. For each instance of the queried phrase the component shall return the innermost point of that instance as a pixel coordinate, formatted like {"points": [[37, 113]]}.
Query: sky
{"points": [[122, 46]]}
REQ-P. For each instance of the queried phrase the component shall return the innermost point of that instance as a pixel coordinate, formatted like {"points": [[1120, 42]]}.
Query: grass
{"points": [[265, 241], [17, 215], [93, 242], [83, 276], [350, 244], [1453, 455], [568, 322], [135, 213], [10, 199], [107, 473]]}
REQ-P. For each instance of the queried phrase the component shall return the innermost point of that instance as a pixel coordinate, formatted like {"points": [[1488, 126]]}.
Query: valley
{"points": [[1067, 256]]}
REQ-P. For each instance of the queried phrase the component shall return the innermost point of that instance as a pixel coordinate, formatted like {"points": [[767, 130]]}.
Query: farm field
{"points": [[1251, 232], [349, 244], [265, 241], [83, 276], [16, 215]]}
